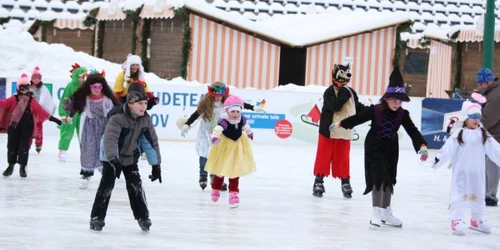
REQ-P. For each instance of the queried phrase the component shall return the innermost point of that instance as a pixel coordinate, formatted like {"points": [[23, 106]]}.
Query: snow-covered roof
{"points": [[303, 30], [4, 13]]}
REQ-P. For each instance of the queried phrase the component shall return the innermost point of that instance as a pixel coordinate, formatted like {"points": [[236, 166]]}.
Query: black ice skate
{"points": [[144, 224], [96, 224], [347, 190], [38, 149], [203, 181], [318, 188], [9, 170], [22, 171]]}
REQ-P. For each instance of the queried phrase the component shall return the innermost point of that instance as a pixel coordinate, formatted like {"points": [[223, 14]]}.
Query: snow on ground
{"points": [[47, 210]]}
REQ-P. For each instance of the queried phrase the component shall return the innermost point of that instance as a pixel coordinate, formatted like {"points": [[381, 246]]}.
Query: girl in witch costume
{"points": [[210, 108], [42, 95], [465, 150], [232, 155], [382, 146], [19, 114], [93, 101], [339, 102], [67, 130]]}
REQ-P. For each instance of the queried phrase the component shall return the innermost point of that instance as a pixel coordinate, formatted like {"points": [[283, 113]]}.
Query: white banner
{"points": [[291, 116]]}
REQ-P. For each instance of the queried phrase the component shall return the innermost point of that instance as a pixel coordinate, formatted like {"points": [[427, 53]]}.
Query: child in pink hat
{"points": [[231, 156], [42, 95], [18, 116]]}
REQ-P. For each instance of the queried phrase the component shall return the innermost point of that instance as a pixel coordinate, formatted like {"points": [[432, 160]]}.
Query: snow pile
{"points": [[21, 53]]}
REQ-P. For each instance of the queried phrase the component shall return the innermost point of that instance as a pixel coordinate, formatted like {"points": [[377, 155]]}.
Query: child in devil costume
{"points": [[382, 146], [19, 114], [340, 101], [42, 95], [210, 108]]}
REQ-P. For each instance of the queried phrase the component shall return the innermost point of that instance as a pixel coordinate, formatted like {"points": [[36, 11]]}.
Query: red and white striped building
{"points": [[247, 54]]}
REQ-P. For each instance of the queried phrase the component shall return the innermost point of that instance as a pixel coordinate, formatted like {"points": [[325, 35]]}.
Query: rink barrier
{"points": [[290, 117]]}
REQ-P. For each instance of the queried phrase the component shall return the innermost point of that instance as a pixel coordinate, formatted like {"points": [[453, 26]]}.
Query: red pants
{"points": [[334, 153], [233, 184], [39, 138]]}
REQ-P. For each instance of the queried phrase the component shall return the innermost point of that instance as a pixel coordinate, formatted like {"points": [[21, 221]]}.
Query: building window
{"points": [[416, 63]]}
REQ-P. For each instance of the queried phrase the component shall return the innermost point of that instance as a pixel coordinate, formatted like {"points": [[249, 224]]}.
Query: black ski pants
{"points": [[135, 191], [18, 143]]}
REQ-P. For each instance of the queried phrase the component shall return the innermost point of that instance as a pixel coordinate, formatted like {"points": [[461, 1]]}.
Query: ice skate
{"points": [[22, 171], [96, 224], [38, 149], [480, 226], [376, 220], [389, 219], [63, 155], [458, 227], [318, 188], [215, 195], [234, 200], [347, 190], [143, 156], [144, 224], [8, 171], [84, 182], [203, 181]]}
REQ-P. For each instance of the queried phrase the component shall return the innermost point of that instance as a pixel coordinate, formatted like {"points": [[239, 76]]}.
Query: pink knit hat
{"points": [[233, 103], [36, 72], [23, 80]]}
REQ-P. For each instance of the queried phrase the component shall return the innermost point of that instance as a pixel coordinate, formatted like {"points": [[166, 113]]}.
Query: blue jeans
{"points": [[203, 162]]}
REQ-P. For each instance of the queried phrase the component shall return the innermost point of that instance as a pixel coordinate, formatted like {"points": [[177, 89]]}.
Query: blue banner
{"points": [[435, 117], [263, 121]]}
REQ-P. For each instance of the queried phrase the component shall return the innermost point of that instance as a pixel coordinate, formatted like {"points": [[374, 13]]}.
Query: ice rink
{"points": [[47, 210]]}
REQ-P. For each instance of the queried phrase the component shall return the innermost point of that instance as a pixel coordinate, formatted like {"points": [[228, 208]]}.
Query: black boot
{"points": [[318, 188], [144, 224], [203, 181], [224, 185], [38, 149], [96, 224], [9, 170], [22, 171], [346, 188]]}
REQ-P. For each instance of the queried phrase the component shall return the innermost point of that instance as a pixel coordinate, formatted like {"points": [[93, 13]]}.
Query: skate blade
{"points": [[96, 228], [348, 196], [374, 226], [479, 230], [203, 186], [234, 205], [391, 225]]}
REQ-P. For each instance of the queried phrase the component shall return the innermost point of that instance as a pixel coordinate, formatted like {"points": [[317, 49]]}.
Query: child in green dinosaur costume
{"points": [[68, 129]]}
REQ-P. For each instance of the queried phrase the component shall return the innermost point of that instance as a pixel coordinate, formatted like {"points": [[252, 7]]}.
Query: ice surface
{"points": [[47, 210]]}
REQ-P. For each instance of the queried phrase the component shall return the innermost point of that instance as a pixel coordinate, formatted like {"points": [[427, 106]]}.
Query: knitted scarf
{"points": [[17, 114]]}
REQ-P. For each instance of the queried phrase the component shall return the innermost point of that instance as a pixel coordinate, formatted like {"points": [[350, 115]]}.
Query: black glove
{"points": [[155, 173], [53, 119], [118, 167], [152, 102]]}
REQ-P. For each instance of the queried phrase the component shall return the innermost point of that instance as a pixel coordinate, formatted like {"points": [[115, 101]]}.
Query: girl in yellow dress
{"points": [[231, 156]]}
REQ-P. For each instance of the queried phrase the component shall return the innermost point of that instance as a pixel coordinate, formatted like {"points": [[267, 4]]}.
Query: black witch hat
{"points": [[396, 87]]}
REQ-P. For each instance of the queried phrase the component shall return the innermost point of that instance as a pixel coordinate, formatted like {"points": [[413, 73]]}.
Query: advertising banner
{"points": [[436, 115]]}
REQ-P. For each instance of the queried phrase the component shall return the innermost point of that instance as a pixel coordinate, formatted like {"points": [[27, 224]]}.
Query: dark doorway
{"points": [[292, 66]]}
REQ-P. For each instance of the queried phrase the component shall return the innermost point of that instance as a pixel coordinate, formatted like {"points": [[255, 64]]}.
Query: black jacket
{"points": [[333, 103]]}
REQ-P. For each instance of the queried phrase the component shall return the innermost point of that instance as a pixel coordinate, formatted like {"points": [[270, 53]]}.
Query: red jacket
{"points": [[8, 105]]}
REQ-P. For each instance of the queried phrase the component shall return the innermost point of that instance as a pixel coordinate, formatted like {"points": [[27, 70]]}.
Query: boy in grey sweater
{"points": [[128, 126]]}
